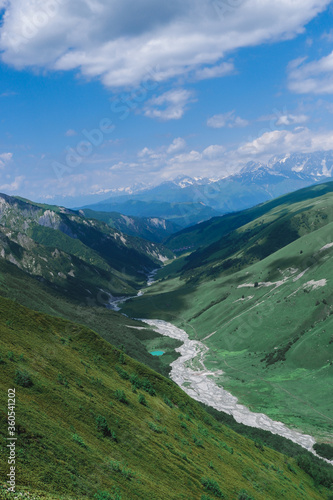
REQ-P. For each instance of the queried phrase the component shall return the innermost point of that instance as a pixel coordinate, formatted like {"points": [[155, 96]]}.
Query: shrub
{"points": [[148, 387], [324, 450], [10, 356], [212, 486], [120, 396], [258, 444], [77, 439], [63, 380], [243, 495], [117, 466], [168, 402], [102, 426], [23, 378], [122, 373], [154, 427], [142, 400], [197, 442], [104, 495]]}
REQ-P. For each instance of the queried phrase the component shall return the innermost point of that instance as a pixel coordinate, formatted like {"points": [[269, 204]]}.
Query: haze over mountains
{"points": [[197, 199]]}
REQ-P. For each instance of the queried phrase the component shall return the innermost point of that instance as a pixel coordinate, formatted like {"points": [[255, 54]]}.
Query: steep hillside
{"points": [[260, 299], [183, 214], [211, 231], [90, 310], [150, 228], [77, 254], [93, 423]]}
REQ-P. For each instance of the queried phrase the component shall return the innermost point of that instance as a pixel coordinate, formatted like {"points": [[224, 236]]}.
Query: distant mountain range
{"points": [[255, 183]]}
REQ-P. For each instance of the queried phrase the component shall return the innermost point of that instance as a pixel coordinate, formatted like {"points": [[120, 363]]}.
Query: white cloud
{"points": [[4, 159], [12, 186], [301, 139], [120, 41], [169, 106], [289, 119], [177, 145], [70, 133], [229, 120], [213, 151], [165, 162], [314, 77], [223, 69]]}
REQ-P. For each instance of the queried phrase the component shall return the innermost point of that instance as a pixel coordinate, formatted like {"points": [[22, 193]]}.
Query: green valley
{"points": [[93, 423], [260, 298]]}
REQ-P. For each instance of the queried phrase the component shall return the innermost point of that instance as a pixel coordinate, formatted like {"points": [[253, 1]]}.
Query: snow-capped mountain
{"points": [[314, 167], [255, 183]]}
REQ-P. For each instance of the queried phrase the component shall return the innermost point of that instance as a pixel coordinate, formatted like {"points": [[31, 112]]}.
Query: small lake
{"points": [[157, 353]]}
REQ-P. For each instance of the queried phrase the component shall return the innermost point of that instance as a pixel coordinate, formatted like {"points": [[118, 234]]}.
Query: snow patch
{"points": [[299, 276], [315, 284], [325, 247]]}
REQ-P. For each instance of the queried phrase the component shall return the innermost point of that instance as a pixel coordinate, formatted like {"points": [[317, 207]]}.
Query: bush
{"points": [[243, 495], [104, 495], [142, 400], [197, 442], [324, 450], [23, 378], [63, 380], [168, 402], [77, 439], [122, 373], [316, 469], [10, 356], [120, 396], [258, 444], [117, 466], [102, 426], [212, 486]]}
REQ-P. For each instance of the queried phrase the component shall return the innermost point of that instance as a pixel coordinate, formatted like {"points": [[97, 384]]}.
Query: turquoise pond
{"points": [[157, 353]]}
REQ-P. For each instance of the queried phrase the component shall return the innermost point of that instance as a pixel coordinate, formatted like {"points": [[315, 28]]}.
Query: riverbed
{"points": [[190, 373]]}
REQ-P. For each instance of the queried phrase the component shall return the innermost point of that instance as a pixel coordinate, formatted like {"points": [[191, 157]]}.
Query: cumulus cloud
{"points": [[177, 145], [121, 41], [301, 139], [169, 106], [5, 158], [219, 70], [289, 119], [12, 186], [230, 120], [315, 77]]}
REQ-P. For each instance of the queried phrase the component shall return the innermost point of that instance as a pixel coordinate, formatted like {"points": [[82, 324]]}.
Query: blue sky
{"points": [[97, 94]]}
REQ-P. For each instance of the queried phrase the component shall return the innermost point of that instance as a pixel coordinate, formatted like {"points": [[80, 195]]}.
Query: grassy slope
{"points": [[160, 452], [213, 230], [112, 326], [61, 245], [274, 344], [183, 214], [151, 229]]}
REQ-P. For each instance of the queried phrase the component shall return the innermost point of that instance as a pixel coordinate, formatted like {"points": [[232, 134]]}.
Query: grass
{"points": [[65, 447], [273, 341]]}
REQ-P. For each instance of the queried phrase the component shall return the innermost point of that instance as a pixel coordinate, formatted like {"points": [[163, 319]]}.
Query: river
{"points": [[190, 373]]}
